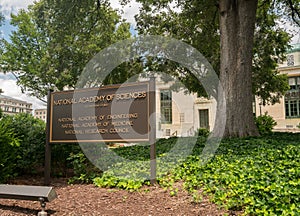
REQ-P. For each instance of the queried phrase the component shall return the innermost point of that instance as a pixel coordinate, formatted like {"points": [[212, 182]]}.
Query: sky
{"points": [[8, 82]]}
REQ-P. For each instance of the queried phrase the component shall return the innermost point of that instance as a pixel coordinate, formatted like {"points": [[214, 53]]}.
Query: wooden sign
{"points": [[116, 113]]}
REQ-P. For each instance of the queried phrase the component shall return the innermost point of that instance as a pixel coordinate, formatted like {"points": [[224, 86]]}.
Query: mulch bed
{"points": [[79, 199]]}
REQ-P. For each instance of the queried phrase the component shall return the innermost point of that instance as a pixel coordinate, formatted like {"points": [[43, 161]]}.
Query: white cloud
{"points": [[129, 11], [290, 28], [12, 6], [10, 88], [295, 31]]}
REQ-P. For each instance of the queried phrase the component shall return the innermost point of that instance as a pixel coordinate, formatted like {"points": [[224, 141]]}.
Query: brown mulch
{"points": [[89, 200]]}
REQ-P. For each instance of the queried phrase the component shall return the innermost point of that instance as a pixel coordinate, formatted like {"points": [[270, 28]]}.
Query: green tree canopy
{"points": [[54, 40]]}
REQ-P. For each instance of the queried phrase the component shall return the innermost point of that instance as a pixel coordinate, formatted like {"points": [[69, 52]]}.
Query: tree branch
{"points": [[295, 12]]}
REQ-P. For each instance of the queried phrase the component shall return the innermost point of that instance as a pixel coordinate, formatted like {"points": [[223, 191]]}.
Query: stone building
{"points": [[287, 112], [40, 114], [12, 106]]}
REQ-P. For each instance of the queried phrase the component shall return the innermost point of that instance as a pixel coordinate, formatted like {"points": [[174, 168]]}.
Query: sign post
{"points": [[152, 131], [47, 170]]}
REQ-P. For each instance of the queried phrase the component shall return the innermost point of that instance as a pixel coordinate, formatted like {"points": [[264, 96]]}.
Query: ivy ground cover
{"points": [[258, 176]]}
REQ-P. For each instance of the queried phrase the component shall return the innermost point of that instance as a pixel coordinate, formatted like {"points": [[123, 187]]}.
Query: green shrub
{"points": [[202, 132], [61, 166], [265, 124], [84, 170], [8, 147], [31, 134]]}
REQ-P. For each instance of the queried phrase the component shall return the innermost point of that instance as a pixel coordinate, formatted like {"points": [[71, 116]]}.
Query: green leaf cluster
{"points": [[9, 144], [30, 133], [83, 170], [257, 176], [265, 124]]}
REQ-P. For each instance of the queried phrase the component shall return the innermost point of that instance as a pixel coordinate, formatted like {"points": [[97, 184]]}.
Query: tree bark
{"points": [[237, 23]]}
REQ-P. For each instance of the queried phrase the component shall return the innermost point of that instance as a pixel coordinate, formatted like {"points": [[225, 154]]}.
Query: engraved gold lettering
{"points": [[118, 130]]}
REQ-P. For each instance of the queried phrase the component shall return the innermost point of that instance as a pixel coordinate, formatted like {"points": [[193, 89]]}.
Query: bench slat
{"points": [[26, 192]]}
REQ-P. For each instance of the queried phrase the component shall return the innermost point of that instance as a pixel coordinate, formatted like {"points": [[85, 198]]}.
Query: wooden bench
{"points": [[25, 192]]}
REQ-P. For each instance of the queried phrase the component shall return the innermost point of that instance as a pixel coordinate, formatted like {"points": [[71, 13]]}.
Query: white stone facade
{"points": [[287, 112], [41, 114], [13, 106]]}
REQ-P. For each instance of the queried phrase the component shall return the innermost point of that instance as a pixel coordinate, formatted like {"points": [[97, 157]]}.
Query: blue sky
{"points": [[6, 28]]}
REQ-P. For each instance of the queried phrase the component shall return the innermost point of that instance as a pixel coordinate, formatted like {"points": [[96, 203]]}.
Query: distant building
{"points": [[287, 112], [41, 114], [12, 106]]}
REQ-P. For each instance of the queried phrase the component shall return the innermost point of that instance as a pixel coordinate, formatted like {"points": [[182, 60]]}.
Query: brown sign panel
{"points": [[117, 113]]}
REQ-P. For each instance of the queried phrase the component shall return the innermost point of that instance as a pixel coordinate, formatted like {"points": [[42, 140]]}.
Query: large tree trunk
{"points": [[237, 23]]}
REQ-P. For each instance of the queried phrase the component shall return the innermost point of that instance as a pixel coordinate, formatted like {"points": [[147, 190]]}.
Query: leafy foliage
{"points": [[83, 170], [265, 124], [202, 132], [227, 44], [1, 40], [259, 176], [270, 44], [31, 135], [61, 166], [9, 144]]}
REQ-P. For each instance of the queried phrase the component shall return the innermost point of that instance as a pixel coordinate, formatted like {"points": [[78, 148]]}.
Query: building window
{"points": [[292, 98], [203, 118], [294, 83], [290, 60], [166, 106], [292, 108]]}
